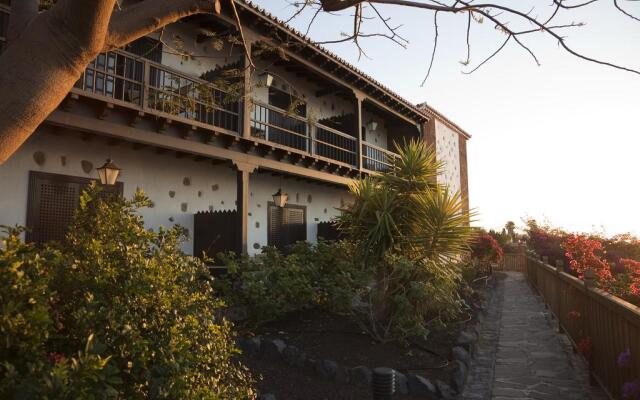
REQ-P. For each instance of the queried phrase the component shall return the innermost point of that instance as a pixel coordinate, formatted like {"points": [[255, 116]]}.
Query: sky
{"points": [[558, 142]]}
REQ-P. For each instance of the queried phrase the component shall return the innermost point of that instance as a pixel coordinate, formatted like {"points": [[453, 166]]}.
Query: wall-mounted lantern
{"points": [[280, 198], [108, 173], [372, 126], [266, 79]]}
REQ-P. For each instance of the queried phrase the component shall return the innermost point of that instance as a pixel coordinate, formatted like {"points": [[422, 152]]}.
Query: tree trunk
{"points": [[43, 63]]}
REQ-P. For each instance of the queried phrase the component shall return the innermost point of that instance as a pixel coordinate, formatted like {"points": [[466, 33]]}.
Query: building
{"points": [[211, 139]]}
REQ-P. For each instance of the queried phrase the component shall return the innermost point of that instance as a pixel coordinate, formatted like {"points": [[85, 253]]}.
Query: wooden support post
{"points": [[358, 103], [145, 84], [558, 293], [247, 104], [242, 188]]}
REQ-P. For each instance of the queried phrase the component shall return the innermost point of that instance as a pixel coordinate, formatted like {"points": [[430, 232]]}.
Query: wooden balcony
{"points": [[122, 79], [287, 129], [133, 82], [376, 159]]}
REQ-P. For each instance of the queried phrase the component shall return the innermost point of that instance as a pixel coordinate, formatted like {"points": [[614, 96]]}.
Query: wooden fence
{"points": [[516, 261], [590, 315]]}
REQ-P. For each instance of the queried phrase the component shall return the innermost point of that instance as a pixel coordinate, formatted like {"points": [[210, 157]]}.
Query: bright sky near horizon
{"points": [[558, 142]]}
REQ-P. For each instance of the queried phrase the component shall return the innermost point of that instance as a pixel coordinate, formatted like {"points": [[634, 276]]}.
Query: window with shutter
{"points": [[287, 225], [52, 202]]}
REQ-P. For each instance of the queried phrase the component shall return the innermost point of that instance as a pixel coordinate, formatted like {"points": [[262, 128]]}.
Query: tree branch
{"points": [[148, 16]]}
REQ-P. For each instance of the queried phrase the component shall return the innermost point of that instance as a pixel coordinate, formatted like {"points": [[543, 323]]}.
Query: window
{"points": [[286, 225], [145, 47], [4, 27], [285, 101], [52, 202]]}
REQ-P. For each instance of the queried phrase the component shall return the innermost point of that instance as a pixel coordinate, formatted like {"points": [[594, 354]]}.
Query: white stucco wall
{"points": [[377, 137], [211, 187], [448, 150], [206, 57], [321, 203]]}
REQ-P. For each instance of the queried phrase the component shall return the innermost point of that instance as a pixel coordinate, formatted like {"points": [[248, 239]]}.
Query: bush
{"points": [[271, 285], [410, 231], [486, 249], [122, 313]]}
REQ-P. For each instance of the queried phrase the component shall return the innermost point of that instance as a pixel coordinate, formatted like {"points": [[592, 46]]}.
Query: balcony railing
{"points": [[376, 158], [134, 82], [138, 83], [289, 129]]}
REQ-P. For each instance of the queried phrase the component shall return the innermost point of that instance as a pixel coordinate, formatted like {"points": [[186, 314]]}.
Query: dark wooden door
{"points": [[52, 202], [287, 225]]}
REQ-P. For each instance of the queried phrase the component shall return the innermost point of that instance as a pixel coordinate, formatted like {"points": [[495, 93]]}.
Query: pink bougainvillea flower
{"points": [[624, 359]]}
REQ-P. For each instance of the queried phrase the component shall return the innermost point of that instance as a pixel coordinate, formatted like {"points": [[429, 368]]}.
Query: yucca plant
{"points": [[412, 231]]}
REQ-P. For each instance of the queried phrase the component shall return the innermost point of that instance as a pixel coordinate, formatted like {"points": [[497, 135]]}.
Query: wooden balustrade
{"points": [[376, 158], [289, 129], [586, 313], [134, 82]]}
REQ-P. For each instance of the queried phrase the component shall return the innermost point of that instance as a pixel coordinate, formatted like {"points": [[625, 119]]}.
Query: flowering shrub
{"points": [[546, 241], [581, 253], [486, 249]]}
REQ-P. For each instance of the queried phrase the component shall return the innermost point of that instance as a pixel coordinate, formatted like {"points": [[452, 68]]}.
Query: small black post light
{"points": [[383, 383], [108, 173]]}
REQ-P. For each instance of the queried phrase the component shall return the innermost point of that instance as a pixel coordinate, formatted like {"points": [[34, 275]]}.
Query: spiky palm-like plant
{"points": [[411, 231]]}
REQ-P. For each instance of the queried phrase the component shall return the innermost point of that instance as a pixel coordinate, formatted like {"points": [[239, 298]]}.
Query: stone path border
{"points": [[480, 377]]}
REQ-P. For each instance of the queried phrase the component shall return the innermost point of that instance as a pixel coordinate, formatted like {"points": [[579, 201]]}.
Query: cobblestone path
{"points": [[521, 355]]}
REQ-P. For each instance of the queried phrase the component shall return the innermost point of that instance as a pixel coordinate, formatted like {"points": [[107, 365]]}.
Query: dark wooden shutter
{"points": [[52, 202], [275, 222], [295, 224], [286, 225]]}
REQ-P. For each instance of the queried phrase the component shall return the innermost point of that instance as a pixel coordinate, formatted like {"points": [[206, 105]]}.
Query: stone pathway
{"points": [[530, 359]]}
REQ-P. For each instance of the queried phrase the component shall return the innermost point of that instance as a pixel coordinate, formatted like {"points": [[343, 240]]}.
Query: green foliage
{"points": [[272, 285], [29, 369], [142, 313], [411, 231]]}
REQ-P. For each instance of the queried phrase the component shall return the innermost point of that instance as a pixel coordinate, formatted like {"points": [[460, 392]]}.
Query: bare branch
{"points": [[490, 57], [488, 11], [435, 46], [244, 42], [615, 3]]}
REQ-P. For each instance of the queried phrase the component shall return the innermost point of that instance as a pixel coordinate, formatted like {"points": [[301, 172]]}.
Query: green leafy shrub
{"points": [[30, 368], [142, 313], [411, 231], [271, 285]]}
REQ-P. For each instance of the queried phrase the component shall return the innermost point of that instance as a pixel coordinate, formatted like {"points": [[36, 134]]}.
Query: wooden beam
{"points": [[104, 110], [328, 90], [136, 117], [122, 131]]}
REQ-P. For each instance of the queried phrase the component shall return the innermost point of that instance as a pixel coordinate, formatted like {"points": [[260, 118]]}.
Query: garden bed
{"points": [[326, 336]]}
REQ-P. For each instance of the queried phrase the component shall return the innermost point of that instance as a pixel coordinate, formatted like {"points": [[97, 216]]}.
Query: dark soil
{"points": [[334, 337], [323, 335]]}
